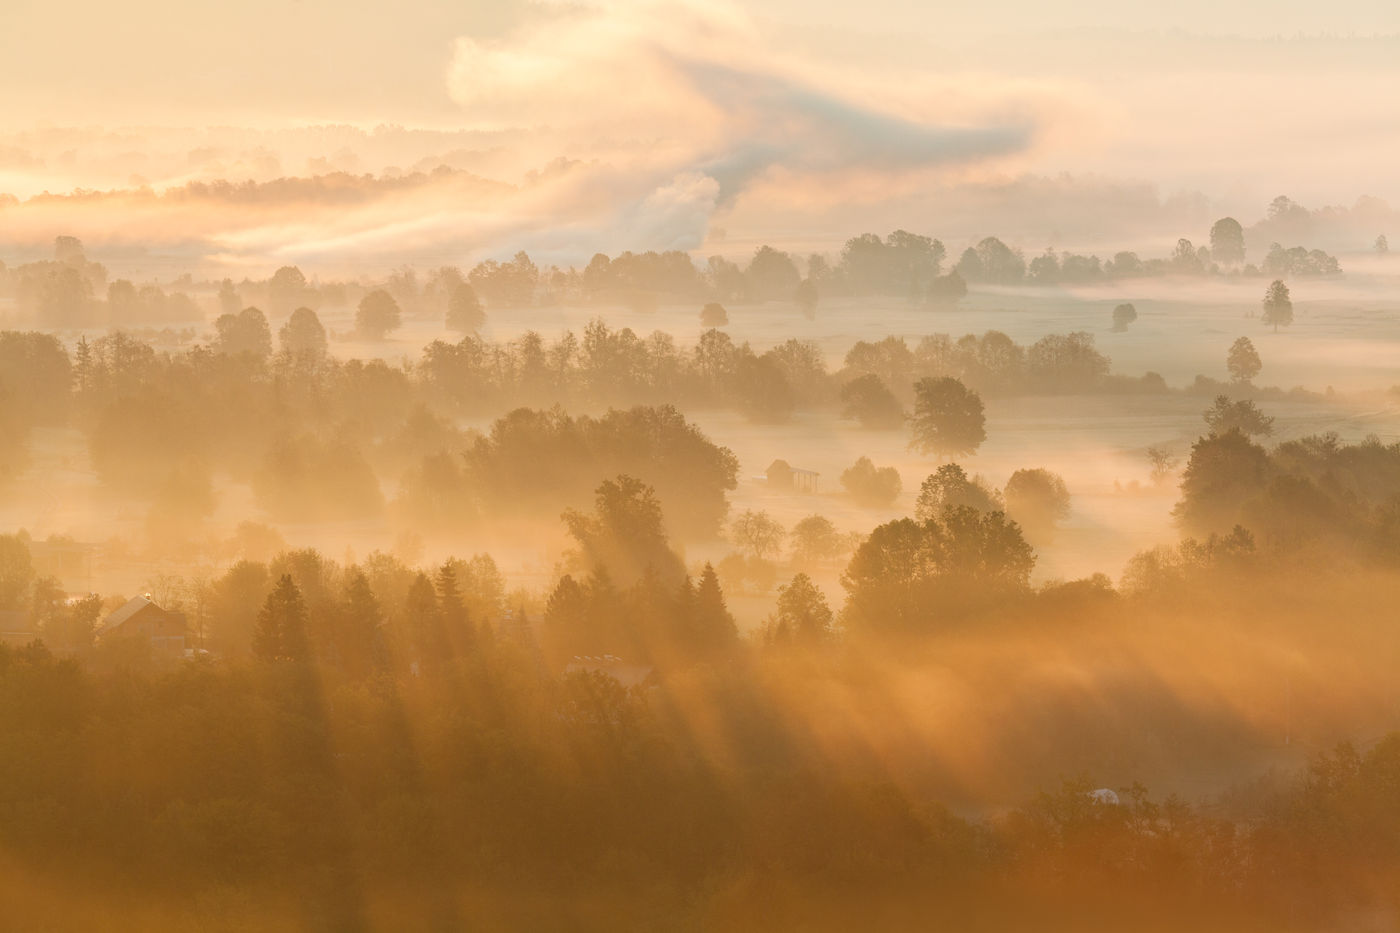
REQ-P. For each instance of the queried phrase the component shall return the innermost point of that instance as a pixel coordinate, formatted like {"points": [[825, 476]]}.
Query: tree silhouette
{"points": [[1278, 306], [1243, 361], [377, 315], [1227, 241], [948, 418], [281, 630]]}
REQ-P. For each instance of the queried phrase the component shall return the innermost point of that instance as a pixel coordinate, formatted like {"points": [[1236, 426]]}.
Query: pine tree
{"points": [[424, 622], [714, 625], [452, 610], [362, 642], [281, 631]]}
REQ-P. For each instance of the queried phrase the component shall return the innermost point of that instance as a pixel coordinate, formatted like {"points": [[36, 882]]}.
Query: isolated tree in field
{"points": [[1227, 241], [950, 487], [1243, 416], [868, 400], [1278, 306], [949, 419], [871, 485], [1163, 464], [1123, 315], [1382, 244], [713, 315], [303, 334], [464, 311], [281, 631], [1243, 361], [1037, 499], [815, 539], [377, 314], [757, 533]]}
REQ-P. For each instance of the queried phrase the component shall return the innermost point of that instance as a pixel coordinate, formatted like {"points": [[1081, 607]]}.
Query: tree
{"points": [[756, 533], [1037, 499], [1382, 244], [1227, 241], [288, 289], [359, 640], [805, 297], [815, 540], [948, 418], [713, 315], [1225, 471], [1163, 464], [1123, 315], [229, 300], [1278, 306], [906, 574], [464, 312], [1243, 416], [303, 335], [713, 625], [1243, 361], [949, 487], [870, 485], [244, 333], [868, 400], [771, 275], [281, 630], [945, 291], [803, 616], [458, 632], [377, 315], [625, 535]]}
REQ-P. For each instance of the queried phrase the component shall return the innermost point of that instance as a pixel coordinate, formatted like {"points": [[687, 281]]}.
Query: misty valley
{"points": [[877, 588]]}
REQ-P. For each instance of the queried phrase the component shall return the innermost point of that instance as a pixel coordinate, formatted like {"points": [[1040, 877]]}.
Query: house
{"points": [[140, 618]]}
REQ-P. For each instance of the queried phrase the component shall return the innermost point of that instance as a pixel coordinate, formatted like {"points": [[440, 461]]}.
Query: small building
{"points": [[140, 618], [782, 475]]}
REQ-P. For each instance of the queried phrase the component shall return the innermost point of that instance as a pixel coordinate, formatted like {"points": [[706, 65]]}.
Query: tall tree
{"points": [[1278, 306], [1227, 241], [1243, 361], [281, 631]]}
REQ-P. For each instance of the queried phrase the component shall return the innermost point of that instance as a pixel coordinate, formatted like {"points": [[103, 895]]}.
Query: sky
{"points": [[574, 127]]}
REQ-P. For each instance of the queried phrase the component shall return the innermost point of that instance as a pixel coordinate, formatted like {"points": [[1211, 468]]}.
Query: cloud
{"points": [[682, 91]]}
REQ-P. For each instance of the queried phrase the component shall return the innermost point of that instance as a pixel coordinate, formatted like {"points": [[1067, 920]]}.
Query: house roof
{"points": [[126, 611]]}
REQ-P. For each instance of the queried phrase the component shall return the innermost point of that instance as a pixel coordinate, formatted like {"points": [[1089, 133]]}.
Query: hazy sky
{"points": [[665, 122]]}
